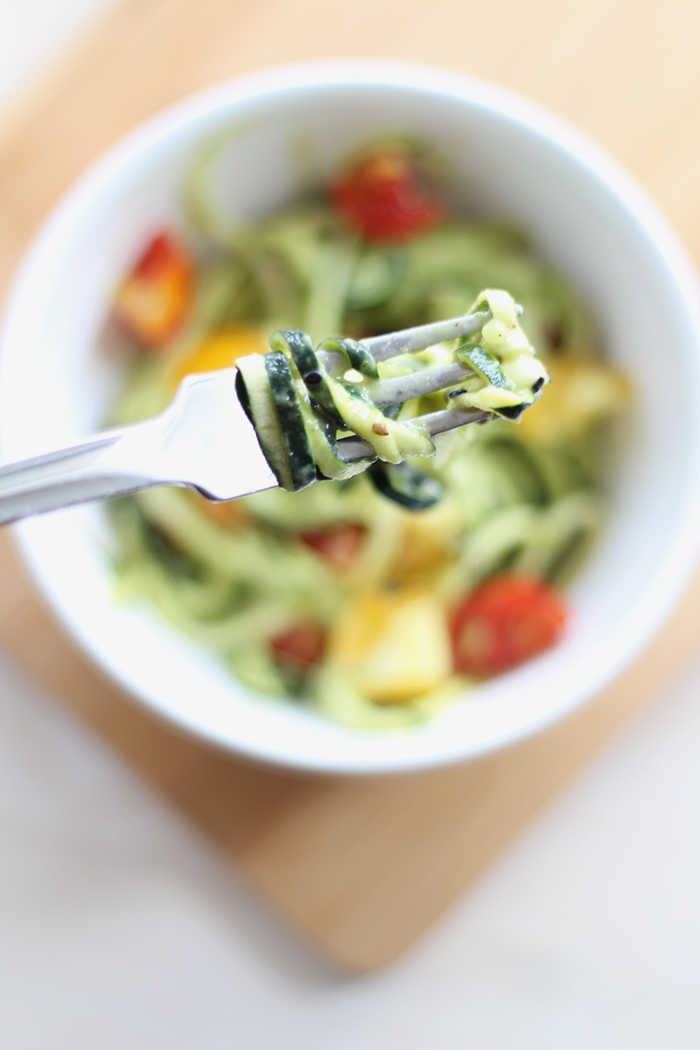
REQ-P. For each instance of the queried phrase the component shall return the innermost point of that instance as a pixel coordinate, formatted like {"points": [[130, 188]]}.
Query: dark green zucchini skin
{"points": [[489, 368], [299, 345], [286, 403], [484, 364], [242, 392], [357, 354], [403, 484], [511, 412]]}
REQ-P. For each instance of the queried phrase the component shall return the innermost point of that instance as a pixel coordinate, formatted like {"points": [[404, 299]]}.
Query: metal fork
{"points": [[204, 440]]}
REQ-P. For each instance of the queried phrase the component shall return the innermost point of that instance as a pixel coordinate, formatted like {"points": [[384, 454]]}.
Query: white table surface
{"points": [[120, 928]]}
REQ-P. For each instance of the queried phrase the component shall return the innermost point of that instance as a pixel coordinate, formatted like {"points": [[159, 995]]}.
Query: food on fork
{"points": [[207, 440], [299, 404]]}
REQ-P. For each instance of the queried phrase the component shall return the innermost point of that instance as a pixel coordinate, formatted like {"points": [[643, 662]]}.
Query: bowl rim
{"points": [[268, 84]]}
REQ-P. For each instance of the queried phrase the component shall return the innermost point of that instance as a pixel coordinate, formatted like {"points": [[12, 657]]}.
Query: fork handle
{"points": [[101, 468]]}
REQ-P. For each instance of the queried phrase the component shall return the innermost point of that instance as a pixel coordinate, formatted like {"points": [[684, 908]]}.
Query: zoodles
{"points": [[379, 596]]}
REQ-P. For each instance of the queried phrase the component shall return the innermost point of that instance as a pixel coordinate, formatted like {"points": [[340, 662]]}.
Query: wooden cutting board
{"points": [[361, 867]]}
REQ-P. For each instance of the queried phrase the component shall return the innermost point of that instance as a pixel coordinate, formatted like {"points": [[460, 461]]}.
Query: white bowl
{"points": [[513, 160]]}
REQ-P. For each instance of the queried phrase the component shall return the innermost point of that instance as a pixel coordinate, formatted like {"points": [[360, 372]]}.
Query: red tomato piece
{"points": [[155, 298], [505, 622], [299, 648], [340, 545], [383, 198]]}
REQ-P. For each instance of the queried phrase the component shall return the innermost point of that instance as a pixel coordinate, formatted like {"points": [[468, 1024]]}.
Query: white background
{"points": [[120, 928]]}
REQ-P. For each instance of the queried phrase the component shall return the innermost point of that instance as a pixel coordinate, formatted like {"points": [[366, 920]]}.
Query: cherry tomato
{"points": [[155, 298], [340, 545], [299, 648], [504, 622], [383, 198]]}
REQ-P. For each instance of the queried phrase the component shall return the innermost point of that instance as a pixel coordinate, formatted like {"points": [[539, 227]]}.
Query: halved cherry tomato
{"points": [[340, 545], [383, 198], [506, 621], [155, 298], [299, 648]]}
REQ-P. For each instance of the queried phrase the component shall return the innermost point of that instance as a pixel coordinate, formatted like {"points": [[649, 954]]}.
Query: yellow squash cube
{"points": [[393, 647]]}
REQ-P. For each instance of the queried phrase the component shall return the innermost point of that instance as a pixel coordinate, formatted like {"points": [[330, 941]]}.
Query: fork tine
{"points": [[416, 384], [411, 340], [353, 449], [451, 418]]}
